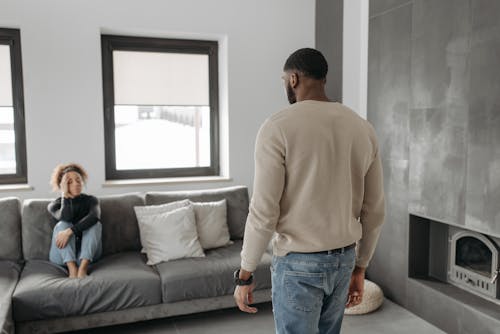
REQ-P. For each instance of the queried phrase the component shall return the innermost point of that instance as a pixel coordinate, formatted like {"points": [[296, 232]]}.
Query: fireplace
{"points": [[473, 262], [451, 273]]}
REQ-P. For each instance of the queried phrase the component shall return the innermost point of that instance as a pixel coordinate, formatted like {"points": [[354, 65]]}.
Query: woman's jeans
{"points": [[91, 246], [309, 291]]}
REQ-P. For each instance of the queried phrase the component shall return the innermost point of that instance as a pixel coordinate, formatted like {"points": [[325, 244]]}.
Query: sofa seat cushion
{"points": [[9, 275], [210, 276], [116, 282]]}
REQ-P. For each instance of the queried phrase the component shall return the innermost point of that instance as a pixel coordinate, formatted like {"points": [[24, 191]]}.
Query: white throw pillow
{"points": [[142, 211], [170, 235], [211, 223]]}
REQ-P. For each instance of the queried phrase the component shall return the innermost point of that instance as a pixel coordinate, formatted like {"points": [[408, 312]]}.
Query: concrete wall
{"points": [[433, 98], [63, 87], [389, 93]]}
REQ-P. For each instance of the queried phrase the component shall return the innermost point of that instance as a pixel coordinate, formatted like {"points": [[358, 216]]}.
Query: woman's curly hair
{"points": [[61, 169]]}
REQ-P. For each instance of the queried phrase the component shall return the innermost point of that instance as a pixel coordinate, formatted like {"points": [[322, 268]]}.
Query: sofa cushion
{"points": [[211, 223], [120, 231], [148, 211], [170, 235], [236, 197], [36, 229], [10, 229], [116, 282], [9, 275], [210, 276]]}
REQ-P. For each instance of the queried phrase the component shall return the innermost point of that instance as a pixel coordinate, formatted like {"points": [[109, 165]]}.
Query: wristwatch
{"points": [[239, 281]]}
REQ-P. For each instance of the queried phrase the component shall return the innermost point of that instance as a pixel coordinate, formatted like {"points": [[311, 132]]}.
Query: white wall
{"points": [[61, 54], [355, 55]]}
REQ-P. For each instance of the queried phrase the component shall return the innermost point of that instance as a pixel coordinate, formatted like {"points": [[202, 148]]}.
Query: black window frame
{"points": [[12, 37], [110, 43]]}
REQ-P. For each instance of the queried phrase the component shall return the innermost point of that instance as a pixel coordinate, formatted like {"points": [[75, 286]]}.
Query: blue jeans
{"points": [[91, 246], [309, 291]]}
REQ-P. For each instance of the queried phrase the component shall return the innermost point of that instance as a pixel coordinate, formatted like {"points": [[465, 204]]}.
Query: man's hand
{"points": [[243, 296], [62, 238], [356, 287]]}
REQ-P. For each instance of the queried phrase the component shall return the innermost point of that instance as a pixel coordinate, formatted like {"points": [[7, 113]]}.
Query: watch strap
{"points": [[239, 281]]}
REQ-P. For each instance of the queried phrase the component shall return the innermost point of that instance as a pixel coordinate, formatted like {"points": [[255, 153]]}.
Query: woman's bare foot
{"points": [[73, 269], [82, 270]]}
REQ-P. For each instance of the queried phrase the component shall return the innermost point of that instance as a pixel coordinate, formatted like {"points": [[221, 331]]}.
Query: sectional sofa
{"points": [[37, 297]]}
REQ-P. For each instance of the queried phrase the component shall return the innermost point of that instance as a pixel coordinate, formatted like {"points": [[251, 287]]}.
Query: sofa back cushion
{"points": [[236, 199], [120, 231], [10, 229], [36, 229]]}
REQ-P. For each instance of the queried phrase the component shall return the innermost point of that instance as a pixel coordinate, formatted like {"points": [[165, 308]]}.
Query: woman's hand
{"points": [[62, 238], [65, 187]]}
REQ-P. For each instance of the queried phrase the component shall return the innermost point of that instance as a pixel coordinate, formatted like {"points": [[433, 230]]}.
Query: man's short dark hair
{"points": [[309, 62]]}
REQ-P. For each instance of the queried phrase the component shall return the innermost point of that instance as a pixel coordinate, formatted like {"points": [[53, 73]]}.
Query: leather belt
{"points": [[336, 250]]}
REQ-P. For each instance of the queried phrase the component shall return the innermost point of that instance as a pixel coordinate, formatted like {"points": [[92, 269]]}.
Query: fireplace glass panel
{"points": [[474, 255]]}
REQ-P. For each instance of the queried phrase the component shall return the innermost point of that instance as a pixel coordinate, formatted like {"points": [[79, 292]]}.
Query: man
{"points": [[318, 186]]}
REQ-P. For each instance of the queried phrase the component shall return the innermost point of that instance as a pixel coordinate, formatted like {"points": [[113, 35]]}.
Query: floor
{"points": [[389, 319]]}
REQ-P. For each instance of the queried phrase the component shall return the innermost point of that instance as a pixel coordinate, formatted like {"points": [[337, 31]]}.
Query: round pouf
{"points": [[373, 297]]}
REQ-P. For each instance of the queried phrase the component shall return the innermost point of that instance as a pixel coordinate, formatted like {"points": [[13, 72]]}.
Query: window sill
{"points": [[15, 187], [172, 180]]}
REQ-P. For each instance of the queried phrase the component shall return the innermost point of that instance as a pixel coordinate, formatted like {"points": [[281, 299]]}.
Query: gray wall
{"points": [[433, 97], [455, 122], [483, 158], [329, 29], [388, 110], [438, 122]]}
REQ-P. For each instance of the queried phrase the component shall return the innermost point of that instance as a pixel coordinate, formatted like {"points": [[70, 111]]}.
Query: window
{"points": [[160, 107], [12, 132]]}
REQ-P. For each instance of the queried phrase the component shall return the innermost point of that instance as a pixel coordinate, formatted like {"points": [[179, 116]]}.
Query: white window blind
{"points": [[5, 77], [156, 78]]}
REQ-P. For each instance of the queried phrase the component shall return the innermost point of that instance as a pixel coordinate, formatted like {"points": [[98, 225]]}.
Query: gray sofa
{"points": [[37, 297]]}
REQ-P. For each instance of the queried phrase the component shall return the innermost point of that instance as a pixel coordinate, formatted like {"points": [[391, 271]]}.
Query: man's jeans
{"points": [[309, 291], [91, 247]]}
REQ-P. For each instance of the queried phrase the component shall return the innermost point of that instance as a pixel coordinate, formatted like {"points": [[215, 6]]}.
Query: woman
{"points": [[76, 239]]}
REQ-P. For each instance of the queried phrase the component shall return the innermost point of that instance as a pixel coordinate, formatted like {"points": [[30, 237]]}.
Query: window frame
{"points": [[110, 43], [12, 37]]}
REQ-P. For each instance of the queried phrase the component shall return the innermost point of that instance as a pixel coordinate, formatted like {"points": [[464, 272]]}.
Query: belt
{"points": [[336, 250]]}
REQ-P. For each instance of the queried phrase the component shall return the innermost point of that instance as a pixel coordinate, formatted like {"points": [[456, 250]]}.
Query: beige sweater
{"points": [[318, 184]]}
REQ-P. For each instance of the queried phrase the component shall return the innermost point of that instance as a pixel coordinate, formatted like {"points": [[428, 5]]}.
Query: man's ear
{"points": [[294, 79]]}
